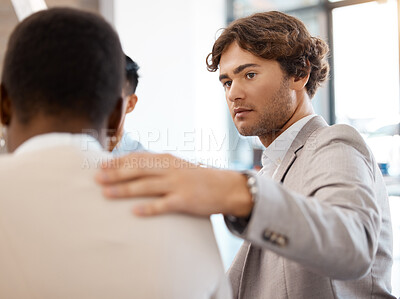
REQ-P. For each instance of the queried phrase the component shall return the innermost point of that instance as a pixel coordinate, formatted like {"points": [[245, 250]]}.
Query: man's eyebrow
{"points": [[238, 70], [244, 66], [223, 76]]}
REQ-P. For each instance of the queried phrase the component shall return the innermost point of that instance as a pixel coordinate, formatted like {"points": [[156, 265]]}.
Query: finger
{"points": [[147, 160], [134, 166], [138, 160], [144, 187], [123, 159], [125, 174], [156, 207]]}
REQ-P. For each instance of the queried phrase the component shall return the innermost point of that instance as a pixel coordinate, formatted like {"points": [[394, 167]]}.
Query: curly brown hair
{"points": [[275, 35]]}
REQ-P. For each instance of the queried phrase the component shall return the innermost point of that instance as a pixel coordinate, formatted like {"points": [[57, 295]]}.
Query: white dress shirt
{"points": [[273, 155]]}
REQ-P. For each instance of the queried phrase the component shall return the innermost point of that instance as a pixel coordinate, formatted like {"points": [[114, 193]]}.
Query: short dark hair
{"points": [[65, 63], [132, 76], [278, 36]]}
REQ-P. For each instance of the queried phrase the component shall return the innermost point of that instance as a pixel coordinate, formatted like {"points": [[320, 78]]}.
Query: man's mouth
{"points": [[241, 112]]}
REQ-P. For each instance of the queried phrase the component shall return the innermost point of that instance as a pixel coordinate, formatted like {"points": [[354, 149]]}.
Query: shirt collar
{"points": [[277, 150], [82, 141]]}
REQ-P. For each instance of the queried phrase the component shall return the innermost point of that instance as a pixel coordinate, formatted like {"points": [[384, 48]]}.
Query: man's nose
{"points": [[235, 92]]}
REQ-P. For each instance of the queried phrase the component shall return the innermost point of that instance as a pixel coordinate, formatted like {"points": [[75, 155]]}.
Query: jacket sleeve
{"points": [[329, 220]]}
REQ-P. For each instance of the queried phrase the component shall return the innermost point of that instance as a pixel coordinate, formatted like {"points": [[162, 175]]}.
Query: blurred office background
{"points": [[181, 106]]}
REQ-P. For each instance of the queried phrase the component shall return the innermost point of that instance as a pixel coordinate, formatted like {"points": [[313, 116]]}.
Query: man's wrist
{"points": [[244, 193]]}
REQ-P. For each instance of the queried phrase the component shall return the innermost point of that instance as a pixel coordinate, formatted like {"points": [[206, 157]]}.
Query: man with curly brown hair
{"points": [[315, 220]]}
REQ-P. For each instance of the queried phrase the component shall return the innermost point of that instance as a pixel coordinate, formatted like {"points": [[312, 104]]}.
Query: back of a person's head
{"points": [[64, 63], [132, 76]]}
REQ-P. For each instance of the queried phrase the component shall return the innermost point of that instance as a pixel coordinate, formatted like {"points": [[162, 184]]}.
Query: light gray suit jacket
{"points": [[322, 228], [60, 238]]}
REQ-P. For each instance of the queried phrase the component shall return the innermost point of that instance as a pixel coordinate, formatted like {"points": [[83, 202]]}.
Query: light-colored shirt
{"points": [[60, 238], [82, 141], [273, 155], [128, 145]]}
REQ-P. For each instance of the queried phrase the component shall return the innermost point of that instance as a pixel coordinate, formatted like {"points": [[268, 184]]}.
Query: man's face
{"points": [[257, 92]]}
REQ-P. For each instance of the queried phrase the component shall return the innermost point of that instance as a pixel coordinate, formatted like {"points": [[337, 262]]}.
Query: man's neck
{"points": [[19, 133]]}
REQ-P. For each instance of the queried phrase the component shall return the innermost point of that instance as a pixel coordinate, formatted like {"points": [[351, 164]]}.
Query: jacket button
{"points": [[281, 241], [267, 234], [274, 238]]}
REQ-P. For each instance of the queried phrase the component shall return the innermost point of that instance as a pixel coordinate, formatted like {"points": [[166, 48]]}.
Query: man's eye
{"points": [[250, 75], [227, 84]]}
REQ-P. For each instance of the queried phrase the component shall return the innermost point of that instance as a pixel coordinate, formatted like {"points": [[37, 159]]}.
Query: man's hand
{"points": [[179, 186]]}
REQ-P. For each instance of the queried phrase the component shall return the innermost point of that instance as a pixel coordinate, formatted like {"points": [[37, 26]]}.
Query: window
{"points": [[366, 65]]}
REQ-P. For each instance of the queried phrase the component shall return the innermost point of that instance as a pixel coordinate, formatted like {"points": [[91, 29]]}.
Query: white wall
{"points": [[180, 102], [181, 106]]}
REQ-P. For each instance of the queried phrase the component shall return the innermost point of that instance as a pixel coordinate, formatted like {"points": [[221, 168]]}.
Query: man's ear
{"points": [[115, 117], [298, 83], [131, 103], [5, 107]]}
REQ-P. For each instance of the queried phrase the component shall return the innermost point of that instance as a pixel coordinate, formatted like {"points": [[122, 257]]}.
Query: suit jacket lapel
{"points": [[298, 143]]}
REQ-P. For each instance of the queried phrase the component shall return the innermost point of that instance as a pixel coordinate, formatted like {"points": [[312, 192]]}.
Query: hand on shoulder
{"points": [[180, 186]]}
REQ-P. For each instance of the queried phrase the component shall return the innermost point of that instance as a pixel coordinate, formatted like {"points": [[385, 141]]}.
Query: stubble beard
{"points": [[273, 117]]}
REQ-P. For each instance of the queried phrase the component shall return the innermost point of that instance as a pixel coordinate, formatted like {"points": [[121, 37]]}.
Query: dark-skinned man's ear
{"points": [[132, 101], [5, 107], [115, 117], [113, 134]]}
